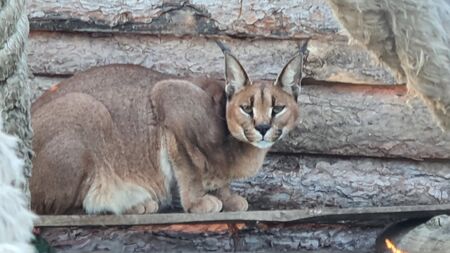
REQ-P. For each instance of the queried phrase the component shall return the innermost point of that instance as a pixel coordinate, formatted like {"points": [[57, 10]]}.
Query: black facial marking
{"points": [[279, 132], [295, 91]]}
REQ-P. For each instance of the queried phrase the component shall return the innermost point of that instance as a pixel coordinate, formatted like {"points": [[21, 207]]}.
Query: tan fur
{"points": [[118, 138]]}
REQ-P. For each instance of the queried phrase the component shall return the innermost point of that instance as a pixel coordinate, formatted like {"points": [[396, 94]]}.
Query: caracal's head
{"points": [[262, 112]]}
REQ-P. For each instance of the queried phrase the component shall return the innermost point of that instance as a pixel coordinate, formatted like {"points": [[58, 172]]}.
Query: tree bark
{"points": [[14, 88], [67, 53], [295, 182], [250, 18], [216, 237]]}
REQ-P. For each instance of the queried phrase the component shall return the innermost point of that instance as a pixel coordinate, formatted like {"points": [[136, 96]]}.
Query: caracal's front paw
{"points": [[206, 204], [235, 203], [149, 206]]}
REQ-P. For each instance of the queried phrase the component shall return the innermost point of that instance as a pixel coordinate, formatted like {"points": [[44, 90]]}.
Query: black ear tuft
{"points": [[296, 91], [290, 77], [291, 73], [235, 75]]}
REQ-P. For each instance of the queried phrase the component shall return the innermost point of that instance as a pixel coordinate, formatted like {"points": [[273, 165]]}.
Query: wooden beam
{"points": [[322, 215], [254, 19]]}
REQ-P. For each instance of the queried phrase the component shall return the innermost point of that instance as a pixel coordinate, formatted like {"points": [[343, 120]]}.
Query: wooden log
{"points": [[365, 121], [216, 237], [267, 19], [291, 182], [63, 53], [351, 120]]}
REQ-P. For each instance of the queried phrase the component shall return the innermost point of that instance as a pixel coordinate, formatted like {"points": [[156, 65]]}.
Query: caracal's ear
{"points": [[235, 76], [290, 77]]}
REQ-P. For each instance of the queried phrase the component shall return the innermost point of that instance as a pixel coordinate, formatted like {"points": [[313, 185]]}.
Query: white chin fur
{"points": [[262, 144]]}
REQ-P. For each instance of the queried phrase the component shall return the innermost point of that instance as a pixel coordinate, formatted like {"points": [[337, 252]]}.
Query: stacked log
{"points": [[362, 140]]}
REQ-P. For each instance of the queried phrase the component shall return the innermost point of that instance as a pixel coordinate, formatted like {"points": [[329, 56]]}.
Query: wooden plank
{"points": [[323, 215], [349, 120], [63, 54], [267, 19]]}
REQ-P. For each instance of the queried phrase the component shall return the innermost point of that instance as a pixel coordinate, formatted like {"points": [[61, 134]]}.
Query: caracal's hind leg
{"points": [[193, 196], [58, 174], [78, 159], [64, 160]]}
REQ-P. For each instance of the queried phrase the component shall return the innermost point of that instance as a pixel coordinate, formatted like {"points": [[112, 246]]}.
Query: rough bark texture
{"points": [[273, 19], [365, 121], [354, 120], [289, 182], [62, 53], [215, 237], [14, 88]]}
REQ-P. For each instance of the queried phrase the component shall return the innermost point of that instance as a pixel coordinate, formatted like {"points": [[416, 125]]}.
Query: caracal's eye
{"points": [[277, 109], [247, 109]]}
